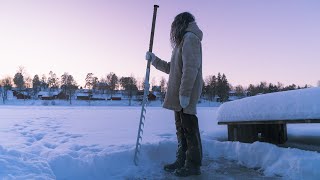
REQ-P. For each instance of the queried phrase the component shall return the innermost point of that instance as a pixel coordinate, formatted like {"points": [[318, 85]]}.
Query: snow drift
{"points": [[289, 105]]}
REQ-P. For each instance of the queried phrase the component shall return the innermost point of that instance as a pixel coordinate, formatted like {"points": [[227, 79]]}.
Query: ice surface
{"points": [[289, 105]]}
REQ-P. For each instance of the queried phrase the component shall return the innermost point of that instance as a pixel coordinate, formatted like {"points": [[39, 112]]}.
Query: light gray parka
{"points": [[185, 71]]}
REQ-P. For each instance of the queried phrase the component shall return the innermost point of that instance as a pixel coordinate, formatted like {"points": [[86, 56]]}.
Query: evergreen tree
{"points": [[36, 84], [263, 88], [272, 88], [19, 81], [290, 87], [225, 89], [211, 87], [219, 87]]}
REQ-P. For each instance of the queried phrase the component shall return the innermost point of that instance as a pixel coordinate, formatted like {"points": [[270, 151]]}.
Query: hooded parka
{"points": [[185, 71]]}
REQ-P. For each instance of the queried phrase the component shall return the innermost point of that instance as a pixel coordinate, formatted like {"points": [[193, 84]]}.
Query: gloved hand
{"points": [[150, 56], [184, 101]]}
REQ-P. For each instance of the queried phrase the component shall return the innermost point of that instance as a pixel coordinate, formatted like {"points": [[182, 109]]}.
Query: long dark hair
{"points": [[179, 26]]}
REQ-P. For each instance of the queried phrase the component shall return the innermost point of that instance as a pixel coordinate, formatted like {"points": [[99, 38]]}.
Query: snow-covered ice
{"points": [[90, 142], [289, 105]]}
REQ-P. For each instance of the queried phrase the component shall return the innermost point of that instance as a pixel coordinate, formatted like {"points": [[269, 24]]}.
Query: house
{"points": [[83, 96], [23, 95], [90, 96], [232, 93], [50, 95], [97, 97], [151, 96], [114, 99], [62, 95]]}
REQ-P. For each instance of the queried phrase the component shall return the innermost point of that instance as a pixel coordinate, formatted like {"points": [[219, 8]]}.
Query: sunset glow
{"points": [[248, 40]]}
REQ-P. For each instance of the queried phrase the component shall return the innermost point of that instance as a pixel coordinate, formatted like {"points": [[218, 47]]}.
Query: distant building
{"points": [[22, 95], [151, 96], [50, 95]]}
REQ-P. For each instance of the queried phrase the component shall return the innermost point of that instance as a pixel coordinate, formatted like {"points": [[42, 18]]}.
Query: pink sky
{"points": [[248, 40]]}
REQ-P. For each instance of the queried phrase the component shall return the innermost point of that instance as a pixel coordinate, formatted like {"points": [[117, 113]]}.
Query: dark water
{"points": [[224, 169]]}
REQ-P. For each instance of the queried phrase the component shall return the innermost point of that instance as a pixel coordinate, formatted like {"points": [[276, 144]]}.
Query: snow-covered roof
{"points": [[289, 105]]}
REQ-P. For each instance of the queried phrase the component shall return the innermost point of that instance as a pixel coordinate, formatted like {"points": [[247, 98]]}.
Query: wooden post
{"points": [[247, 133]]}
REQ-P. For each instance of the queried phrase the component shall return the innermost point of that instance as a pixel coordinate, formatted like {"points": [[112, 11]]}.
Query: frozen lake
{"points": [[89, 142]]}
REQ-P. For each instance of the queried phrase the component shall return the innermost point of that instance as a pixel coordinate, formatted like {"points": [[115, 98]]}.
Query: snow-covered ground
{"points": [[97, 142]]}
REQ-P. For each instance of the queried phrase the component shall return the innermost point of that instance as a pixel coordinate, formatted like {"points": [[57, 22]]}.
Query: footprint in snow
{"points": [[64, 141], [78, 147], [39, 136], [73, 135], [24, 133], [50, 146]]}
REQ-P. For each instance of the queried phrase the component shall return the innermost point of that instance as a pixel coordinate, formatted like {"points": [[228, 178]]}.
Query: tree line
{"points": [[66, 82], [215, 87]]}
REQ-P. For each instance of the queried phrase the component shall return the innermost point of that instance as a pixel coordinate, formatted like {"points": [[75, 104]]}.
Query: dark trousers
{"points": [[189, 140]]}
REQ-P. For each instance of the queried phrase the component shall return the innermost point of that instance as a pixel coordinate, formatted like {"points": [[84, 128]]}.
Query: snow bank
{"points": [[114, 165], [270, 159], [289, 105]]}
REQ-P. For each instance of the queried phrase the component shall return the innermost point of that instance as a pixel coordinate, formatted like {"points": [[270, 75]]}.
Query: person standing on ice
{"points": [[183, 92]]}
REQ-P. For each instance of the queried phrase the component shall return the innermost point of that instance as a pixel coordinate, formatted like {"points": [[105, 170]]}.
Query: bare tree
{"points": [[28, 82], [69, 85], [5, 86], [129, 84], [89, 81], [53, 81], [239, 91], [113, 82], [163, 89], [44, 82], [103, 85], [153, 82], [91, 84]]}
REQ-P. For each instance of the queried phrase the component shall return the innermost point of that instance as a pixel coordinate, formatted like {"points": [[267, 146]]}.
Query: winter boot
{"points": [[194, 147], [173, 166], [182, 147], [188, 170]]}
